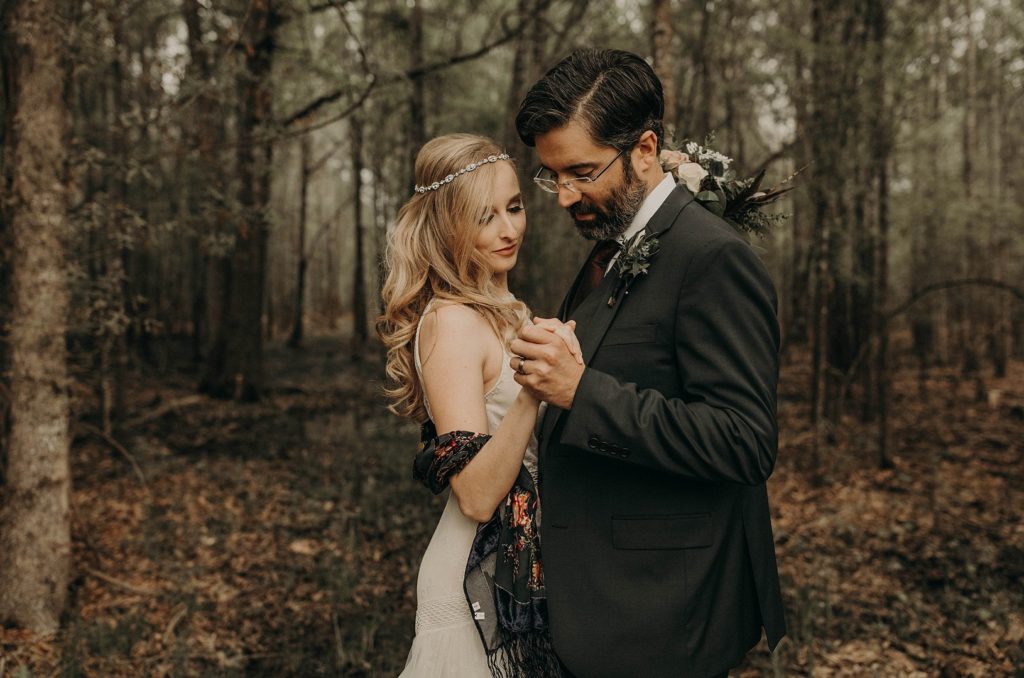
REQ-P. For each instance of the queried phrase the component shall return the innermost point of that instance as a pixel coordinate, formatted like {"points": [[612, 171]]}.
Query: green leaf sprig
{"points": [[634, 261]]}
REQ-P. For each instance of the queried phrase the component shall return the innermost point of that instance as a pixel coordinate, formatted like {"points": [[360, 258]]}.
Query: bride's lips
{"points": [[508, 250]]}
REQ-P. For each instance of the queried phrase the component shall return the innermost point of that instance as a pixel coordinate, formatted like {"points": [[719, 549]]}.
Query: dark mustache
{"points": [[582, 207]]}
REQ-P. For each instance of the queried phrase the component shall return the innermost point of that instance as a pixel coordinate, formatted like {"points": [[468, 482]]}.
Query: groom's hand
{"points": [[550, 372]]}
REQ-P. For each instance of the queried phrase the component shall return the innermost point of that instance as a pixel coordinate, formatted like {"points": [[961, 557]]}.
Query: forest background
{"points": [[197, 473]]}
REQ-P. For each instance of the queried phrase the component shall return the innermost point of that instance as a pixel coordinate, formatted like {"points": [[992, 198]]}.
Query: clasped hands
{"points": [[548, 360]]}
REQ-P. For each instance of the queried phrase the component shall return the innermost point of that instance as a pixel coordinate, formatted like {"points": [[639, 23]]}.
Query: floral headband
{"points": [[468, 168]]}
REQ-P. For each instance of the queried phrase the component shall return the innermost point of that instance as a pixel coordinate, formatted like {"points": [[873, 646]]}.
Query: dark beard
{"points": [[623, 203]]}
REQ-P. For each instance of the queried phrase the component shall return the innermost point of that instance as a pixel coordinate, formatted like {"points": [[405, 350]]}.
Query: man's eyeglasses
{"points": [[548, 180]]}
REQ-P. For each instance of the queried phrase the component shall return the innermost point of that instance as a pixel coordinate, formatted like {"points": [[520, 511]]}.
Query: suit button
{"points": [[594, 442]]}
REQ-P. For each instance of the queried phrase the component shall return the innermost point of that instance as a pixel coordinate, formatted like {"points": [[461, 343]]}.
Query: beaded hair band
{"points": [[468, 168]]}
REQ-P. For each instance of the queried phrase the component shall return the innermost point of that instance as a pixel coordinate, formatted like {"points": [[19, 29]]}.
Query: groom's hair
{"points": [[615, 94]]}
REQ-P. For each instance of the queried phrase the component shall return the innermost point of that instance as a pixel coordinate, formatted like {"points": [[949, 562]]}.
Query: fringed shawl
{"points": [[504, 582]]}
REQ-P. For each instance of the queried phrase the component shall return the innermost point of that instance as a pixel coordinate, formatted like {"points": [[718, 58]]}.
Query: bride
{"points": [[447, 323]]}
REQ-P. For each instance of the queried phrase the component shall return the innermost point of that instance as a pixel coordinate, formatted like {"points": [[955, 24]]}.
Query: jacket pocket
{"points": [[687, 531]]}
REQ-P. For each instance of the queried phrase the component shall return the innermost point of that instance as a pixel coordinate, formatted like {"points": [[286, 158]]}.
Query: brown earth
{"points": [[282, 538]]}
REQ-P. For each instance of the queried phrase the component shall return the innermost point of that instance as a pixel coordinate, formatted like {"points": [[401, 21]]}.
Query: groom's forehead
{"points": [[568, 147]]}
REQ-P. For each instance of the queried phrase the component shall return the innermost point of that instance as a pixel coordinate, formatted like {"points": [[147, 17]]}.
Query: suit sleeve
{"points": [[726, 351]]}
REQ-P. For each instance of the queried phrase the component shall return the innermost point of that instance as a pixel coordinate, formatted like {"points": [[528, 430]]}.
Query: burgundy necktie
{"points": [[594, 271]]}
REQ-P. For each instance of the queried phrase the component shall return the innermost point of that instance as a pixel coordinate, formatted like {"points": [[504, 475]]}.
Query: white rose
{"points": [[672, 159], [691, 174]]}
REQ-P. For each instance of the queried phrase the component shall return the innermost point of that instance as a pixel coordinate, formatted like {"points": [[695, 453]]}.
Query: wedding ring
{"points": [[519, 367]]}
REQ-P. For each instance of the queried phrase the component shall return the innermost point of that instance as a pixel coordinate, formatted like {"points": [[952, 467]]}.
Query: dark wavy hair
{"points": [[615, 94]]}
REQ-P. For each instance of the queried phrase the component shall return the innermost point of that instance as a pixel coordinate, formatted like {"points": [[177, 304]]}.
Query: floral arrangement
{"points": [[706, 173]]}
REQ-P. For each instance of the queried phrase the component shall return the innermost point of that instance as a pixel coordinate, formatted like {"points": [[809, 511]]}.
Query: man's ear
{"points": [[645, 152]]}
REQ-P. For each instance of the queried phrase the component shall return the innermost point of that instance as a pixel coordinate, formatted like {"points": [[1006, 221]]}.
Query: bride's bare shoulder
{"points": [[453, 327]]}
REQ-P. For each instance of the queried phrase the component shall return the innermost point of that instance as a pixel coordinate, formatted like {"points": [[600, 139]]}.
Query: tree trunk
{"points": [[998, 243], [828, 127], [117, 193], [926, 317], [881, 133], [417, 96], [200, 137], [966, 323], [360, 331], [35, 530], [234, 367], [799, 312], [664, 62], [381, 220], [510, 137], [701, 116], [295, 340]]}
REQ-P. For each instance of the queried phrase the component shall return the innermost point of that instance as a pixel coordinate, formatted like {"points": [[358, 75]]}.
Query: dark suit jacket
{"points": [[656, 536]]}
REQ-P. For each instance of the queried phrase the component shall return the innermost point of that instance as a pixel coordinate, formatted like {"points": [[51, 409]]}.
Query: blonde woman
{"points": [[448, 320]]}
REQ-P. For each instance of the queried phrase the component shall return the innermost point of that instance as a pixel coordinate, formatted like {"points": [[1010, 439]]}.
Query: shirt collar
{"points": [[650, 205]]}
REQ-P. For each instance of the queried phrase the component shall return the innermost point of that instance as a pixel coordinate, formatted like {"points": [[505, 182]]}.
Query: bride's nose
{"points": [[508, 229]]}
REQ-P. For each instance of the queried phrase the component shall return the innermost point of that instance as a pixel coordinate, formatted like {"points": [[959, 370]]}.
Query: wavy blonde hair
{"points": [[431, 253]]}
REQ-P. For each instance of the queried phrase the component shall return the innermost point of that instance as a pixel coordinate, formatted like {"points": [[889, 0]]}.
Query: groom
{"points": [[657, 539]]}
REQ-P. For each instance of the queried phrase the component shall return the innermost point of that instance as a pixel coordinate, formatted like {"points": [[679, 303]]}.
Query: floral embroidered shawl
{"points": [[504, 582]]}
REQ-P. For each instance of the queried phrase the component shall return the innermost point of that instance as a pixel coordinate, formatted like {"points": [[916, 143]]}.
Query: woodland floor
{"points": [[282, 538]]}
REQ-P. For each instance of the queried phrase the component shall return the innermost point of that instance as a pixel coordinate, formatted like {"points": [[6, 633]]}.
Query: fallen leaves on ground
{"points": [[282, 537]]}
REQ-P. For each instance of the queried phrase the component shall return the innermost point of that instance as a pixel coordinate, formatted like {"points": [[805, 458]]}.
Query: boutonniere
{"points": [[634, 261]]}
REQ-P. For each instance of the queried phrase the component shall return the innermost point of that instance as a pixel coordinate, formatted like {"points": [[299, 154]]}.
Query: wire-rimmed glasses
{"points": [[548, 180]]}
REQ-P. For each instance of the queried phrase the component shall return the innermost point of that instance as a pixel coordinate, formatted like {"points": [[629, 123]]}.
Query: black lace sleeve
{"points": [[443, 456]]}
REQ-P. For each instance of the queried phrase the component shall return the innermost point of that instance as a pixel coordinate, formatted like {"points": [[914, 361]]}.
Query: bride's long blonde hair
{"points": [[431, 253]]}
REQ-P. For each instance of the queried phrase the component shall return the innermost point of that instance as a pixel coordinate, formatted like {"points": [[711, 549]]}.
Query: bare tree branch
{"points": [[915, 297], [773, 157], [411, 73], [480, 51], [355, 106], [326, 99], [116, 446]]}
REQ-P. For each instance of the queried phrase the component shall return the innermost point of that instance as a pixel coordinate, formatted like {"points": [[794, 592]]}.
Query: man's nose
{"points": [[567, 197]]}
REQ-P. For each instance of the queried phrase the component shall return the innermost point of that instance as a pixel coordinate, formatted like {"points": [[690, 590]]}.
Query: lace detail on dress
{"points": [[441, 613]]}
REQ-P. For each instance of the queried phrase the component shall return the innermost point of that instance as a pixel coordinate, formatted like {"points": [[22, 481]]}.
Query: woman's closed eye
{"points": [[514, 208]]}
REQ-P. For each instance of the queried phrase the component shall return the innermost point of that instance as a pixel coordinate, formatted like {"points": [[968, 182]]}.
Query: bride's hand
{"points": [[567, 333]]}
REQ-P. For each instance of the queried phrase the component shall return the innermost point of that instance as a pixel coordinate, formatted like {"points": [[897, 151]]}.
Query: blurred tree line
{"points": [[208, 176]]}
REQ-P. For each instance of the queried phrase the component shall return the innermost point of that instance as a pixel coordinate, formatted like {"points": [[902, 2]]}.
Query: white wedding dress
{"points": [[447, 644]]}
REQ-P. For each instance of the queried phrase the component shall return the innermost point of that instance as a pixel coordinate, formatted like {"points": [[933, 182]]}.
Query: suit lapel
{"points": [[592, 330], [594, 316]]}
